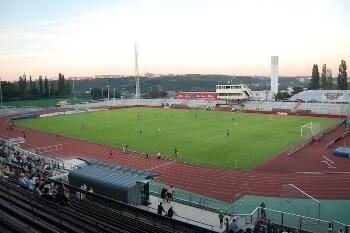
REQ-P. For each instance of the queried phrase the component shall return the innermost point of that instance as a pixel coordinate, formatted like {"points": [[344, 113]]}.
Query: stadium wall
{"points": [[297, 114]]}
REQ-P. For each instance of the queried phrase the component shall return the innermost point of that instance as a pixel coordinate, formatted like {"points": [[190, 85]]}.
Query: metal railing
{"points": [[148, 212], [293, 221], [197, 200]]}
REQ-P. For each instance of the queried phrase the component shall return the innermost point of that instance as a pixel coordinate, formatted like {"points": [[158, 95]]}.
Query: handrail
{"points": [[189, 219], [122, 203]]}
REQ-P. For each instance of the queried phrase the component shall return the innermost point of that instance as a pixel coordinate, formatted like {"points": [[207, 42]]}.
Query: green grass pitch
{"points": [[199, 136]]}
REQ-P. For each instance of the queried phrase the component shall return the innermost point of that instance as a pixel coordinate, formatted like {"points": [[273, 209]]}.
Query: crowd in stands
{"points": [[32, 175]]}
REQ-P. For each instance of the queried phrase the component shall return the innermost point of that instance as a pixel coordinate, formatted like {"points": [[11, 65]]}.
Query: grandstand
{"points": [[333, 96], [9, 110], [316, 108]]}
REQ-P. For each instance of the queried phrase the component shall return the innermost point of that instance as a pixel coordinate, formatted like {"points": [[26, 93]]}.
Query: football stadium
{"points": [[218, 159], [227, 129]]}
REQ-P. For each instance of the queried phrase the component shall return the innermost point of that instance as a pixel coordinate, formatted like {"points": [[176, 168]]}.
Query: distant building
{"points": [[150, 75], [196, 95], [233, 92], [274, 74], [193, 75], [80, 78], [109, 76]]}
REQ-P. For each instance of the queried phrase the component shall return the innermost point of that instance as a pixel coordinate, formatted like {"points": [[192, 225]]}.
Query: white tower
{"points": [[274, 74], [137, 78]]}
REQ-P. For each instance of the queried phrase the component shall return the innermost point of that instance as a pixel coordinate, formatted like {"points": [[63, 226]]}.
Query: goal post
{"points": [[307, 126], [310, 129]]}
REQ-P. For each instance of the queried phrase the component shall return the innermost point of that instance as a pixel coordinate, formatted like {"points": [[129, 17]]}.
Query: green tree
{"points": [[282, 95], [52, 90], [96, 93], [61, 84], [329, 79], [315, 78], [41, 87], [297, 89], [21, 84], [30, 83], [342, 76], [46, 87], [68, 87], [33, 90], [24, 82], [324, 77], [9, 91]]}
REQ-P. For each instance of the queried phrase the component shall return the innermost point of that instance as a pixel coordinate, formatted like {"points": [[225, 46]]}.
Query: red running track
{"points": [[222, 184]]}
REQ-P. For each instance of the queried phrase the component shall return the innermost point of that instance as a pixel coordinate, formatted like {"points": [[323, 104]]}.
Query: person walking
{"points": [[263, 211], [221, 218], [233, 226], [171, 212], [160, 209], [170, 193], [227, 225]]}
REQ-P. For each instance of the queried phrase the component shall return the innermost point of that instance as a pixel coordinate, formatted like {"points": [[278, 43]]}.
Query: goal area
{"points": [[309, 129]]}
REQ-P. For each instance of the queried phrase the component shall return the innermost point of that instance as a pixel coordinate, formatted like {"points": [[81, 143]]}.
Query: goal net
{"points": [[297, 201], [310, 129]]}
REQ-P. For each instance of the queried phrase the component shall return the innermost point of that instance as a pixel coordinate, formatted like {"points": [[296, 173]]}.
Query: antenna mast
{"points": [[137, 78]]}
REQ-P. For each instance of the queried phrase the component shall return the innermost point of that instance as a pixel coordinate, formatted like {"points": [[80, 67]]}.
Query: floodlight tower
{"points": [[137, 78], [274, 74]]}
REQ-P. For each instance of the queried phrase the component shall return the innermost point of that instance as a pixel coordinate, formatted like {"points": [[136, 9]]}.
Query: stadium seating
{"points": [[269, 106], [9, 110], [78, 216], [323, 108], [94, 213], [318, 108]]}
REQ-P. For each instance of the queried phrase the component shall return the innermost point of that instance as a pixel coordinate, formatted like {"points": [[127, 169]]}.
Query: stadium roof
{"points": [[323, 96], [114, 175]]}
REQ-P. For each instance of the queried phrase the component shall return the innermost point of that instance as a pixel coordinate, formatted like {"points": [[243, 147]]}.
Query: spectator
{"points": [[221, 218], [31, 183], [227, 225], [84, 188], [163, 193], [171, 212], [269, 227], [263, 211], [60, 196], [37, 190], [170, 193], [160, 209], [233, 226], [22, 181]]}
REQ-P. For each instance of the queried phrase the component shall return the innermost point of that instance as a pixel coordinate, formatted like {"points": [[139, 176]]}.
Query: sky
{"points": [[233, 37]]}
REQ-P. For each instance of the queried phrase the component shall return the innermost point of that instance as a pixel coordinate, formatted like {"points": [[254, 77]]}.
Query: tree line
{"points": [[28, 88], [325, 81]]}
